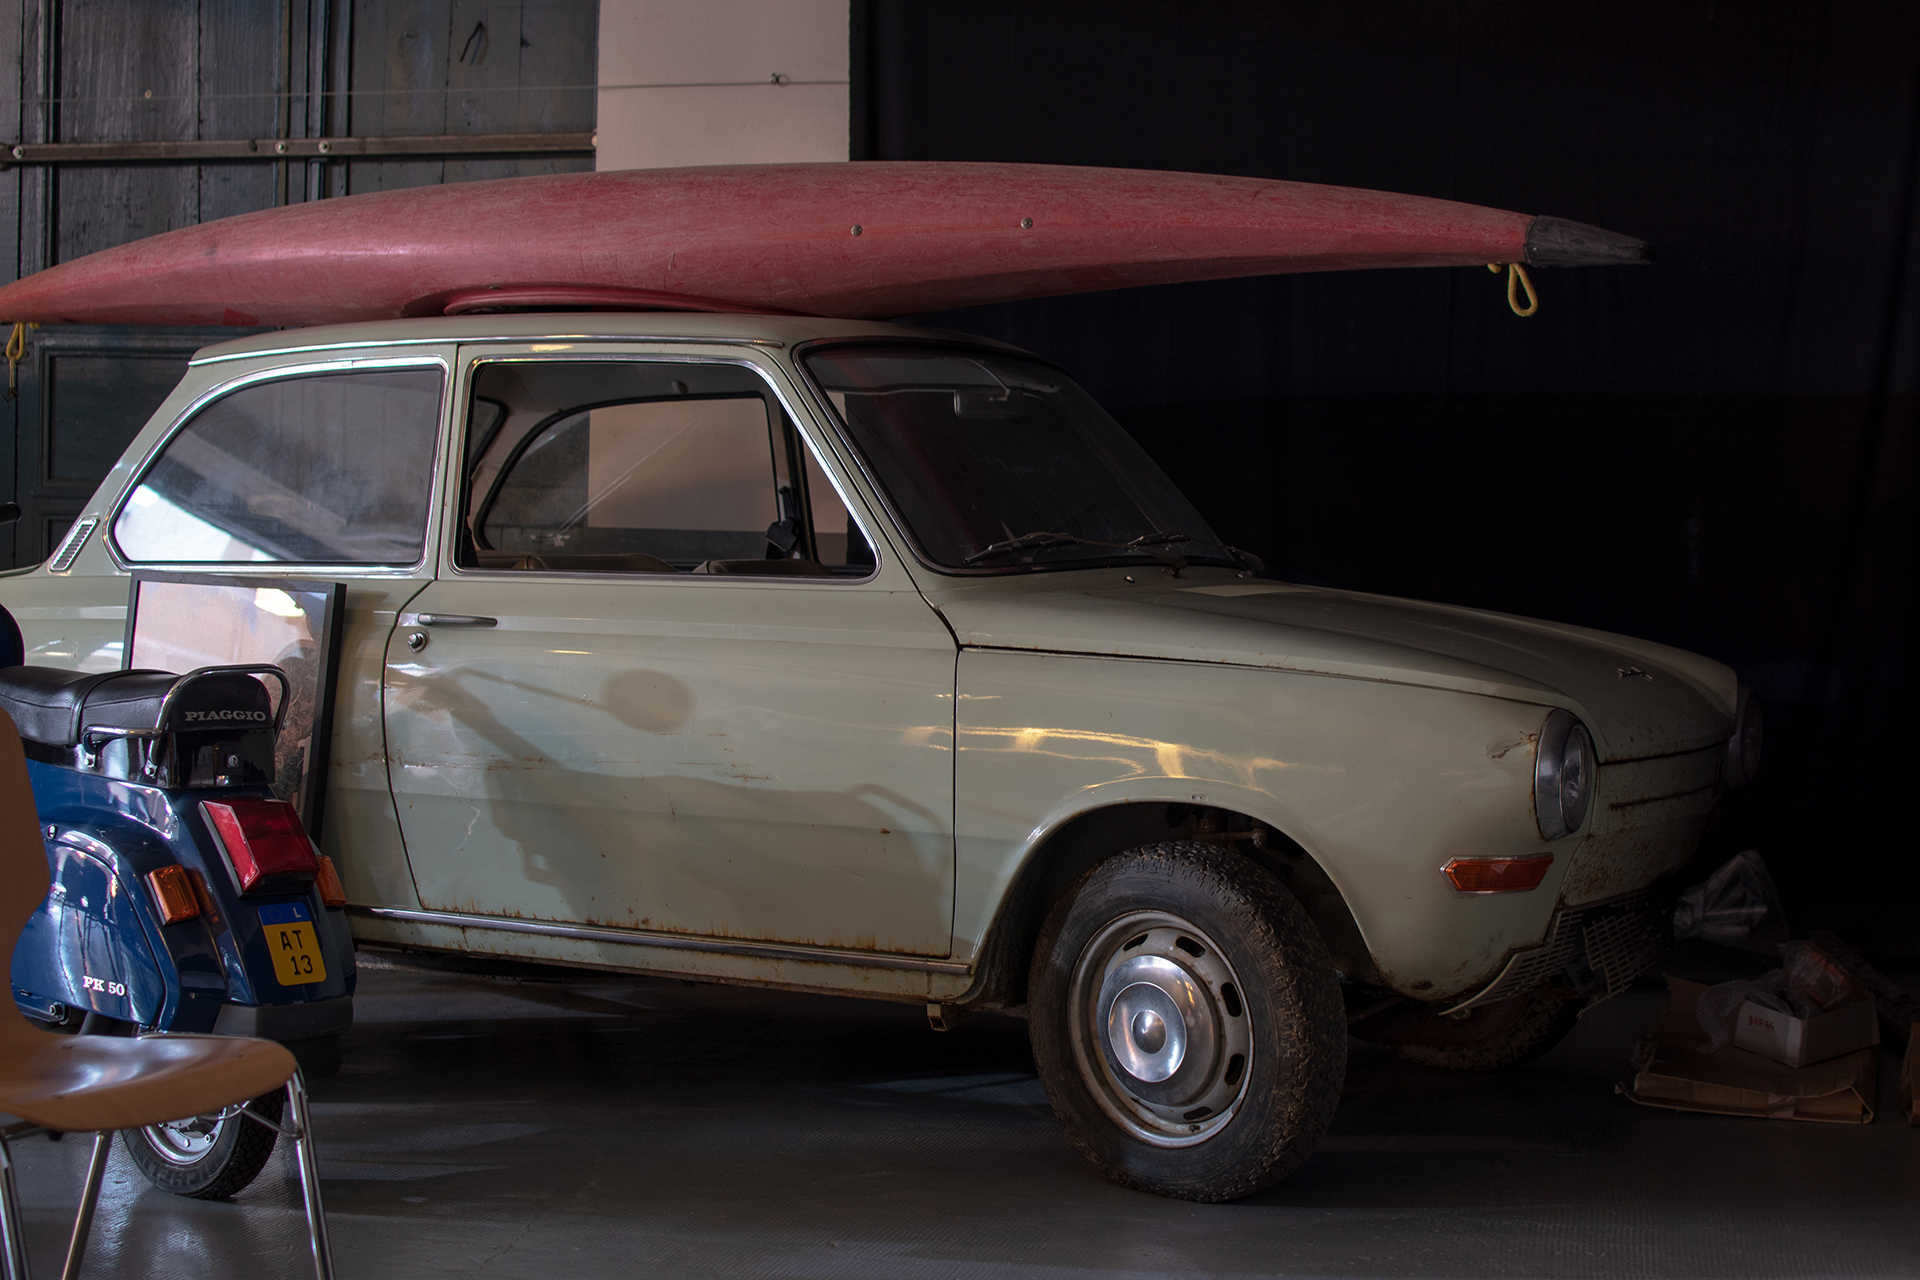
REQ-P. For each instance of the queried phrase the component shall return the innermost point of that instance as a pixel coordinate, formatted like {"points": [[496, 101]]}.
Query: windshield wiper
{"points": [[1241, 559], [1151, 544]]}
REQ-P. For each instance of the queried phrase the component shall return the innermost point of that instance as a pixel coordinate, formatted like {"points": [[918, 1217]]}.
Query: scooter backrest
{"points": [[218, 700]]}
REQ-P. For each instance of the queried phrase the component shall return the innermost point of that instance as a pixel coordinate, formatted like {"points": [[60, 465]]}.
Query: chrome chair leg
{"points": [[14, 1241], [310, 1177], [89, 1200]]}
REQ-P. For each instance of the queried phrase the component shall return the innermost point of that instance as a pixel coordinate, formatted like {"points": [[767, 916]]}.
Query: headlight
{"points": [[1743, 748], [1562, 775]]}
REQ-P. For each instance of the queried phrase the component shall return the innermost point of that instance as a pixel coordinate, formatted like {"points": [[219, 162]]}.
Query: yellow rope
{"points": [[1516, 280], [16, 351]]}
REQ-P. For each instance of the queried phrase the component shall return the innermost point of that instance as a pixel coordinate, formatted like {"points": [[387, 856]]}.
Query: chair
{"points": [[101, 1084]]}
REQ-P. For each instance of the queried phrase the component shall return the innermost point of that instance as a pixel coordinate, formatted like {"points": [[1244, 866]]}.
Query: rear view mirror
{"points": [[9, 512], [987, 402]]}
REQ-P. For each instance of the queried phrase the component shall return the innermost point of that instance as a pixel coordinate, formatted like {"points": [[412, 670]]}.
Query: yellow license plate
{"points": [[293, 944]]}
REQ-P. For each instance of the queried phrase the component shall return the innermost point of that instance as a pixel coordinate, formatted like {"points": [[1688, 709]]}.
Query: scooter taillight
{"points": [[264, 840]]}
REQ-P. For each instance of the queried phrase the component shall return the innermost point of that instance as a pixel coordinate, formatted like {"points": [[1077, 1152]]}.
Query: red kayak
{"points": [[869, 240]]}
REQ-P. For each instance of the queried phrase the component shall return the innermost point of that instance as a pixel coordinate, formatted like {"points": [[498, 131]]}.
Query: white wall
{"points": [[712, 63]]}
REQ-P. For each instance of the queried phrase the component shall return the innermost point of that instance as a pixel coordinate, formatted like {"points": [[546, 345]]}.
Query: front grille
{"points": [[1601, 948], [1621, 945]]}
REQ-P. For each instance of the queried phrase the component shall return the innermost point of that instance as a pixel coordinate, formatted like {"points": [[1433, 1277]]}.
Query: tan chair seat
{"points": [[82, 1084], [101, 1084]]}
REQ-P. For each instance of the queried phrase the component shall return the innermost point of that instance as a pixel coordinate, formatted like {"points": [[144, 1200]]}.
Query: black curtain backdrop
{"points": [[1716, 452]]}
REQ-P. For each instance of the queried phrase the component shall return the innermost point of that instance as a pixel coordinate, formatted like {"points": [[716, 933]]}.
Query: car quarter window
{"points": [[332, 468], [636, 466]]}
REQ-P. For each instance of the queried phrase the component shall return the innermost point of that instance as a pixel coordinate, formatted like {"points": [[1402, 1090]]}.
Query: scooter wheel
{"points": [[203, 1157]]}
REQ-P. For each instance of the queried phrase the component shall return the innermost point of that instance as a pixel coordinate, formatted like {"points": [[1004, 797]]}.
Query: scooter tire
{"points": [[206, 1161]]}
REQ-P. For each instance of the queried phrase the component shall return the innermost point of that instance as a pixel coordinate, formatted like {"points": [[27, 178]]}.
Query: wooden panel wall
{"points": [[119, 70], [456, 66]]}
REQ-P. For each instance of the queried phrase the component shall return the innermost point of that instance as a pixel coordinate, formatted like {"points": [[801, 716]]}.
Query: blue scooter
{"points": [[185, 896]]}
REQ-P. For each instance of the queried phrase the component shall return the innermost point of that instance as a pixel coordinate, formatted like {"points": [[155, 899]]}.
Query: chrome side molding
{"points": [[666, 941]]}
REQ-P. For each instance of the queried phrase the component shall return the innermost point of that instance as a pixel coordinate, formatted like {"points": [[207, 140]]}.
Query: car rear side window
{"points": [[645, 467], [331, 468]]}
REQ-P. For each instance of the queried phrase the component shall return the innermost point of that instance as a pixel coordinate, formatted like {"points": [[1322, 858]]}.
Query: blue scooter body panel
{"points": [[99, 944], [90, 933]]}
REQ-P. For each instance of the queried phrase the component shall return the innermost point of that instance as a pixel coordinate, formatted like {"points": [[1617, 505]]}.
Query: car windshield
{"points": [[997, 463]]}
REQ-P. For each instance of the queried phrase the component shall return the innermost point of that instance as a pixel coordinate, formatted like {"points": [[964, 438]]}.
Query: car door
{"points": [[320, 469], [663, 682]]}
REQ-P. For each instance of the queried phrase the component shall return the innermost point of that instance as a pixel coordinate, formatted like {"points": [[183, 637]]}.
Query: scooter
{"points": [[186, 897]]}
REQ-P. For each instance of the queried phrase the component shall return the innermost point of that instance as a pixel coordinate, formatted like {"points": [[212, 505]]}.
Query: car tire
{"points": [[202, 1158], [1187, 1022], [1545, 1022]]}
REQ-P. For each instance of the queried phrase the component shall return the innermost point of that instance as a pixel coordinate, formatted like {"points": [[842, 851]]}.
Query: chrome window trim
{"points": [[463, 393], [590, 575], [823, 406], [444, 340], [664, 941], [199, 402]]}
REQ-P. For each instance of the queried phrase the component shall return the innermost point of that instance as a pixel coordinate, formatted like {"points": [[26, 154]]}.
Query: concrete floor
{"points": [[626, 1127]]}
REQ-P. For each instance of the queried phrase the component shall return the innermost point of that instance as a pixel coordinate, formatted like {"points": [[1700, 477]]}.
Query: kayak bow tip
{"points": [[1558, 242]]}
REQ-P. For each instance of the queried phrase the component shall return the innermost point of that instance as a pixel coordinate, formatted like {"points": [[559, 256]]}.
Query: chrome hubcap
{"points": [[184, 1141], [1160, 1031]]}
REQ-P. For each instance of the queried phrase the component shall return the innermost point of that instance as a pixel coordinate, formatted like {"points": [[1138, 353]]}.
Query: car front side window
{"points": [[645, 467], [330, 468]]}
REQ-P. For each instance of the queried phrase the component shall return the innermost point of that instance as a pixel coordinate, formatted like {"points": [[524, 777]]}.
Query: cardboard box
{"points": [[1799, 1041], [1910, 1077], [1737, 1082]]}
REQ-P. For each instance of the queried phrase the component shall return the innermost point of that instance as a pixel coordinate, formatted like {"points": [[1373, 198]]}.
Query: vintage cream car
{"points": [[848, 657]]}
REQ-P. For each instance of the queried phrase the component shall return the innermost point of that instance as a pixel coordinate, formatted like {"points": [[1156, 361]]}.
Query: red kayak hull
{"points": [[867, 240]]}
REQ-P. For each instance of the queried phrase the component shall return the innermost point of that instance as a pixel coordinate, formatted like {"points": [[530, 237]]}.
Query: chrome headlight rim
{"points": [[1564, 772], [1748, 740]]}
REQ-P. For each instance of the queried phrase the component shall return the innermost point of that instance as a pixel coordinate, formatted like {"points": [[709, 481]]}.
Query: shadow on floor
{"points": [[607, 1126]]}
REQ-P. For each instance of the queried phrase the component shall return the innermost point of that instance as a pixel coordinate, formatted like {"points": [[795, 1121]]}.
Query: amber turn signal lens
{"points": [[1498, 875], [173, 894], [327, 880]]}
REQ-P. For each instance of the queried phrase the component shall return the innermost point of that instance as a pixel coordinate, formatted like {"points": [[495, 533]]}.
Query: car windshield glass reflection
{"points": [[996, 463]]}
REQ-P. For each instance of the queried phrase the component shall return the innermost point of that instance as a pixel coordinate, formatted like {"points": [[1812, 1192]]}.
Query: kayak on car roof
{"points": [[862, 240]]}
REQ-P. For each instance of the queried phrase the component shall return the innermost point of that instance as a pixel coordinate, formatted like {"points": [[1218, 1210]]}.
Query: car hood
{"points": [[1638, 698]]}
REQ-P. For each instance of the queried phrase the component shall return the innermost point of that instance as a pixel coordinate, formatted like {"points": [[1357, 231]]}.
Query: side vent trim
{"points": [[70, 546]]}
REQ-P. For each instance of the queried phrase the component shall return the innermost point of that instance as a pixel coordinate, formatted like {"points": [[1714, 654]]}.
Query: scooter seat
{"points": [[54, 706]]}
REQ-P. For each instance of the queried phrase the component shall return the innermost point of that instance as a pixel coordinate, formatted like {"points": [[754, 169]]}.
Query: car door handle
{"points": [[457, 620]]}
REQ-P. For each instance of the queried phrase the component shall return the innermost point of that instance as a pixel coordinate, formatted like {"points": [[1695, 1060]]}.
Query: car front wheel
{"points": [[1187, 1022]]}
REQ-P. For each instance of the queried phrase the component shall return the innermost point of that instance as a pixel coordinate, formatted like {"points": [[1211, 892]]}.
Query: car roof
{"points": [[774, 331]]}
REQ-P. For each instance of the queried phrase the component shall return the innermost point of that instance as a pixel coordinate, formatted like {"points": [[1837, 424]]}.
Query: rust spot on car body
{"points": [[1652, 815], [1501, 751]]}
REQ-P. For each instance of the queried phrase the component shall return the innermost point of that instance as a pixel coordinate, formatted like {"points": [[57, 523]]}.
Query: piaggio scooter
{"points": [[186, 897]]}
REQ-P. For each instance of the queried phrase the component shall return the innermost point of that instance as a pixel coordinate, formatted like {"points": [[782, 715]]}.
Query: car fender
{"points": [[1381, 783]]}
